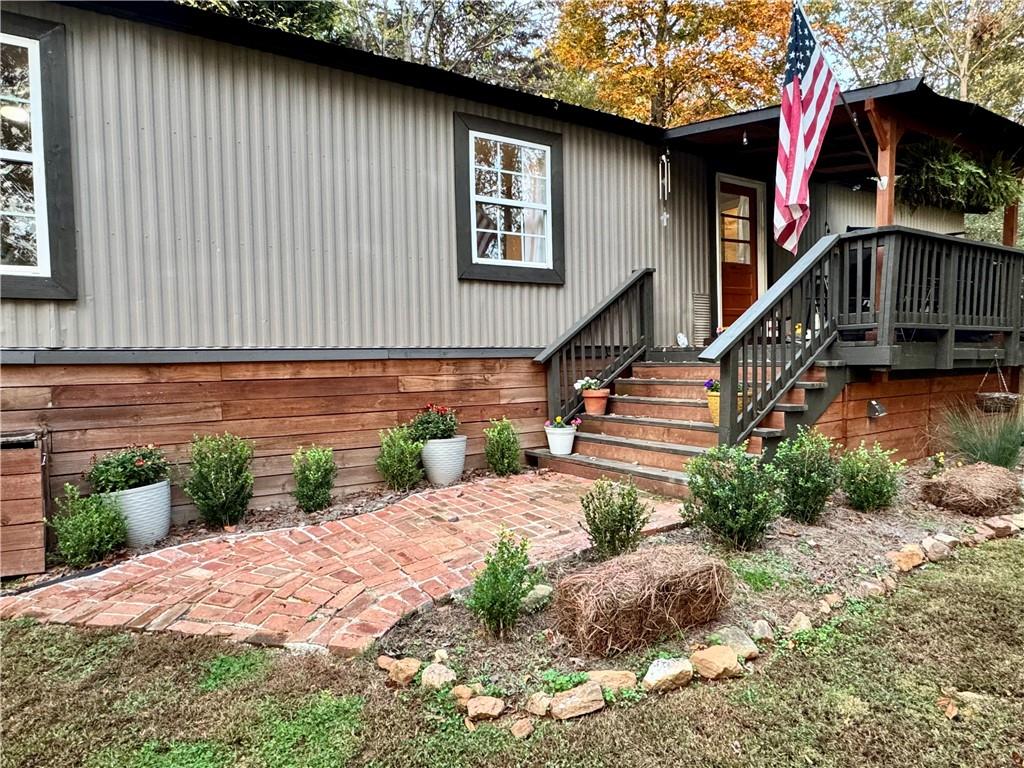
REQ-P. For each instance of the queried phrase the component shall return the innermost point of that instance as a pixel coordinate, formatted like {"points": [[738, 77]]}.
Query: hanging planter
{"points": [[937, 173]]}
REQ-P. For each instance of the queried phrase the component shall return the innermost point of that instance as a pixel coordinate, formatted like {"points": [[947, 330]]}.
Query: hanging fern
{"points": [[938, 174]]}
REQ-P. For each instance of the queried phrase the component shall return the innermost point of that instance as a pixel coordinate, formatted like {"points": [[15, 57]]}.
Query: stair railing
{"points": [[764, 353], [602, 344]]}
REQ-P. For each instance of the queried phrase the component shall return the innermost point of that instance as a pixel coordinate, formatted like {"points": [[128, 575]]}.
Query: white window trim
{"points": [[36, 157], [474, 198], [762, 256]]}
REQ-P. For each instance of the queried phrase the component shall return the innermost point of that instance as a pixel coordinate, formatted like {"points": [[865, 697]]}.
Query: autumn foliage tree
{"points": [[668, 62]]}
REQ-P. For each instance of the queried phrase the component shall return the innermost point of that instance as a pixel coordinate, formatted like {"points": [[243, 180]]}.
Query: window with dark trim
{"points": [[37, 236], [508, 193]]}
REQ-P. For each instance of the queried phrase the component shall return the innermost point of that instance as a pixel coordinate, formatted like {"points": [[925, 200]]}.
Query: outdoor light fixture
{"points": [[745, 142], [876, 410]]}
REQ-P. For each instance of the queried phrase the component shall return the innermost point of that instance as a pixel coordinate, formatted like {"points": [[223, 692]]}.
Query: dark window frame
{"points": [[553, 275], [62, 282]]}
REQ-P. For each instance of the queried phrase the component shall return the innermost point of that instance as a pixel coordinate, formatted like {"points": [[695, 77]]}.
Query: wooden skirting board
{"points": [[22, 526], [90, 409]]}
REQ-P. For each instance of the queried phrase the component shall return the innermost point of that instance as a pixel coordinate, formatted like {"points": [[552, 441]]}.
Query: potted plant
{"points": [[560, 434], [444, 452], [595, 398], [136, 479], [713, 389]]}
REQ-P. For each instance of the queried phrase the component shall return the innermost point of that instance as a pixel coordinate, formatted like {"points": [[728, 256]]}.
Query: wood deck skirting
{"points": [[90, 409]]}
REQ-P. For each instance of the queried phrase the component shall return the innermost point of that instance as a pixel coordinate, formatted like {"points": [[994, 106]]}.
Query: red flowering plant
{"points": [[131, 467], [435, 422]]}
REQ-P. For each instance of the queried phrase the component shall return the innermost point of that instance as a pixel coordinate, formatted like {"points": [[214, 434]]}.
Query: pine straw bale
{"points": [[637, 599], [975, 489]]}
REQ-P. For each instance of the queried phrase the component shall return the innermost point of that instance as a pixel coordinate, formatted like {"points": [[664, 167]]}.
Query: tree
{"points": [[668, 62], [319, 20]]}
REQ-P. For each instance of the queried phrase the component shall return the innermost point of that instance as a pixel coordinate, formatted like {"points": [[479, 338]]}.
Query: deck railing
{"points": [[605, 342], [882, 285]]}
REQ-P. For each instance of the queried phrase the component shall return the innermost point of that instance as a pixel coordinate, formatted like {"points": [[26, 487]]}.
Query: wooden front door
{"points": [[737, 247]]}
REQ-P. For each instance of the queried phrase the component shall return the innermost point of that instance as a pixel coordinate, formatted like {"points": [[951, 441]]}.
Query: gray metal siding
{"points": [[230, 198]]}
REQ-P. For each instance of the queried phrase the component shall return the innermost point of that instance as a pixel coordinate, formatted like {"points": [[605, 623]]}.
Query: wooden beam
{"points": [[888, 132], [1010, 226]]}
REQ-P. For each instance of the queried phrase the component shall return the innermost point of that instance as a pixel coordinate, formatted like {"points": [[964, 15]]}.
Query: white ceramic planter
{"points": [[444, 460], [146, 511], [560, 440]]}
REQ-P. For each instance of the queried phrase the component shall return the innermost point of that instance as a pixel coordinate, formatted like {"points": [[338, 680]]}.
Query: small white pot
{"points": [[560, 440], [444, 460], [146, 511]]}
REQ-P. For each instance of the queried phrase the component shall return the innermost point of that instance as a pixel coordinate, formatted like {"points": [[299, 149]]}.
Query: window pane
{"points": [[534, 250], [487, 245], [485, 152], [512, 247], [736, 253], [15, 127], [14, 71], [17, 241], [487, 216], [535, 162], [487, 183], [536, 189], [511, 157], [16, 187], [735, 229], [511, 219], [733, 204], [533, 221], [512, 186]]}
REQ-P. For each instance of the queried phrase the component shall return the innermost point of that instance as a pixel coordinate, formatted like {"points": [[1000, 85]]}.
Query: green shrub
{"points": [[870, 478], [131, 467], [399, 459], [500, 587], [734, 495], [88, 527], [221, 481], [614, 517], [995, 438], [314, 471], [435, 422], [812, 473], [502, 449]]}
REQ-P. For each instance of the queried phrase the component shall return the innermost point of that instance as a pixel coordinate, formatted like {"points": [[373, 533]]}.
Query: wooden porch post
{"points": [[888, 133], [1010, 224]]}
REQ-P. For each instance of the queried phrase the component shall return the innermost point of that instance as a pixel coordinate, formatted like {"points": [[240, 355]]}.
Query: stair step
{"points": [[674, 388], [811, 385], [659, 407], [791, 407], [667, 482], [655, 421], [701, 434], [650, 453]]}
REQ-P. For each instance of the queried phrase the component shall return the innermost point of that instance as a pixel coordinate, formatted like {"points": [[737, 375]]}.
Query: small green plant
{"points": [[324, 731], [399, 459], [500, 587], [869, 477], [995, 438], [435, 422], [314, 471], [221, 483], [131, 467], [614, 517], [88, 527], [938, 466], [227, 670], [553, 681], [812, 473], [734, 495], [762, 571], [502, 448]]}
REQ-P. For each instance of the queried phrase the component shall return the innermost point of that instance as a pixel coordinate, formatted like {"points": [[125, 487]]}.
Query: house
{"points": [[213, 226]]}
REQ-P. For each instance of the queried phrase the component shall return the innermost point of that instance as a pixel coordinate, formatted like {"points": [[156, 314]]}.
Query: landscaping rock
{"points": [[485, 708], [799, 623], [934, 549], [983, 533], [386, 662], [906, 558], [403, 671], [462, 694], [667, 675], [761, 632], [716, 663], [833, 599], [537, 598], [437, 676], [889, 583], [538, 704], [739, 641], [1000, 527], [1018, 520], [581, 700], [870, 589], [944, 538], [612, 679], [440, 656], [522, 728]]}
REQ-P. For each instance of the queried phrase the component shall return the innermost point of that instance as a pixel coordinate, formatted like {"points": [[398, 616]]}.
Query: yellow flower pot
{"points": [[714, 402]]}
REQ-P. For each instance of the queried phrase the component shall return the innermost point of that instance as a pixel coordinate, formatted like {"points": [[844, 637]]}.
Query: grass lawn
{"points": [[862, 691]]}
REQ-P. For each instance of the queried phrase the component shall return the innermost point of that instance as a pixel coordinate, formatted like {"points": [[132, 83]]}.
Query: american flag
{"points": [[809, 92]]}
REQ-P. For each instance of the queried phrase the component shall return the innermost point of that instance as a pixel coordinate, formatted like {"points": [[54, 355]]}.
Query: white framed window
{"points": [[510, 194], [24, 230]]}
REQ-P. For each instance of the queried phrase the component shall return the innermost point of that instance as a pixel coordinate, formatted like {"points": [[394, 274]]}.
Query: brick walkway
{"points": [[342, 584]]}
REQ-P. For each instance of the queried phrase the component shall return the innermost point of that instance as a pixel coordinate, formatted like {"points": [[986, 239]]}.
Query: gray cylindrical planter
{"points": [[146, 511], [444, 460]]}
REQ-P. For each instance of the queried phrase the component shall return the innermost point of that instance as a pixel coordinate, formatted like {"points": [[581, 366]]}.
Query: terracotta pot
{"points": [[595, 401]]}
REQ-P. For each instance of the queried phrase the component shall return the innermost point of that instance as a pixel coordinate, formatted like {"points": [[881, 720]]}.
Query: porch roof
{"points": [[750, 138]]}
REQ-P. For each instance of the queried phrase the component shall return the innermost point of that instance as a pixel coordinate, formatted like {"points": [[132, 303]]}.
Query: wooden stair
{"points": [[658, 420]]}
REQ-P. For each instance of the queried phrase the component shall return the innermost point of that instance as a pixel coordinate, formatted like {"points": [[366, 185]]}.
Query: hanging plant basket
{"points": [[996, 402]]}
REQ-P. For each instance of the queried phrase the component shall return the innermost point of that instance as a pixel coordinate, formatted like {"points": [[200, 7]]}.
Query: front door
{"points": [[738, 207]]}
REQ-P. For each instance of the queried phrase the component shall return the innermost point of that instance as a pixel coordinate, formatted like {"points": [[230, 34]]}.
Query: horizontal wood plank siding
{"points": [[88, 410], [22, 526]]}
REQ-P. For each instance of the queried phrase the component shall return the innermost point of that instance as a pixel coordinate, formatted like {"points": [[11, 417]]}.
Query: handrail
{"points": [[602, 344]]}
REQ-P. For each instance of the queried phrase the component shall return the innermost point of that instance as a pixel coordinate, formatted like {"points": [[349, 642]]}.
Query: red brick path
{"points": [[342, 584]]}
